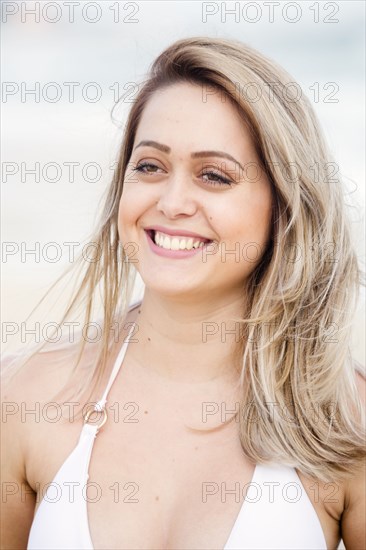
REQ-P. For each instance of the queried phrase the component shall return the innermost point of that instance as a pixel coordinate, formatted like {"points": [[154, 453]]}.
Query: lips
{"points": [[180, 254], [175, 233]]}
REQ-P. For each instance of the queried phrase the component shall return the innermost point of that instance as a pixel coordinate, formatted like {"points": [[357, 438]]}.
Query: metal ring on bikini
{"points": [[92, 410]]}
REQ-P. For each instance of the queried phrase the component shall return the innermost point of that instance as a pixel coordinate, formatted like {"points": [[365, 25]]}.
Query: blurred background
{"points": [[65, 66]]}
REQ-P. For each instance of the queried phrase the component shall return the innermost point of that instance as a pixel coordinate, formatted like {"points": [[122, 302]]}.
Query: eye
{"points": [[146, 168], [216, 179], [210, 177]]}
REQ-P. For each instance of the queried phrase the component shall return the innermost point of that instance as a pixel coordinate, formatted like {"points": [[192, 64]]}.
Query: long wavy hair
{"points": [[298, 377]]}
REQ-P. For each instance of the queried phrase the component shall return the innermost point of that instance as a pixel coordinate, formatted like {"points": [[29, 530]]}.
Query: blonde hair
{"points": [[305, 285]]}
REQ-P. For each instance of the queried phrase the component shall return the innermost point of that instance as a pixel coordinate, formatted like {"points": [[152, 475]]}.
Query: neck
{"points": [[189, 341]]}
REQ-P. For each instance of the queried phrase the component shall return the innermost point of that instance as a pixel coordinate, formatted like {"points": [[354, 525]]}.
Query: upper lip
{"points": [[176, 232]]}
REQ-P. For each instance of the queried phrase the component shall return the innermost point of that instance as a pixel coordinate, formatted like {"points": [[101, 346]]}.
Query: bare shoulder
{"points": [[353, 517], [20, 395], [24, 396], [45, 373]]}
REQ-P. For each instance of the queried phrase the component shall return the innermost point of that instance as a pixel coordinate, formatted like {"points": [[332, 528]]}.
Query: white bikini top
{"points": [[263, 522]]}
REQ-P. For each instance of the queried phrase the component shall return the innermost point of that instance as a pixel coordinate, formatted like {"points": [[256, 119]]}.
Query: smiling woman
{"points": [[241, 379]]}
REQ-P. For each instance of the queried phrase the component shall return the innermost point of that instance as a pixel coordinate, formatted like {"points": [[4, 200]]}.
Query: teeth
{"points": [[176, 243]]}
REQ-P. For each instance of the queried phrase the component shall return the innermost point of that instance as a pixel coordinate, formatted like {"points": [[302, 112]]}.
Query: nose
{"points": [[177, 197]]}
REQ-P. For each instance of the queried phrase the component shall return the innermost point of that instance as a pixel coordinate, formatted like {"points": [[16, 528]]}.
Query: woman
{"points": [[236, 420]]}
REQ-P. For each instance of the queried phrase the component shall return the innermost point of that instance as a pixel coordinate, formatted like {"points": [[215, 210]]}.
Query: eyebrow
{"points": [[198, 154]]}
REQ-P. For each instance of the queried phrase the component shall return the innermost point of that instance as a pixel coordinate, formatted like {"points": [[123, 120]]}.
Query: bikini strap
{"points": [[99, 406]]}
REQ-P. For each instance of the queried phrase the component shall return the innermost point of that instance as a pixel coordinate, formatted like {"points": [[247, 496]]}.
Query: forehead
{"points": [[192, 116]]}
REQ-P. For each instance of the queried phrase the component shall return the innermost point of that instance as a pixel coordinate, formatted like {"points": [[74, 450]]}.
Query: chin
{"points": [[168, 287]]}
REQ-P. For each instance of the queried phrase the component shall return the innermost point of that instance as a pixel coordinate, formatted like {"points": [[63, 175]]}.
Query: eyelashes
{"points": [[212, 178]]}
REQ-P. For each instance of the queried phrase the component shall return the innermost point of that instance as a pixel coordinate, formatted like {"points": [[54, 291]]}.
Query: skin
{"points": [[180, 295]]}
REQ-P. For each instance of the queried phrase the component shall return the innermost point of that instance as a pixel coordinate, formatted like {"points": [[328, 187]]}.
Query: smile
{"points": [[174, 246], [177, 242]]}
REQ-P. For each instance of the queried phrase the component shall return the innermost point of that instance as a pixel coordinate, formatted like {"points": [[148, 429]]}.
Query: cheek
{"points": [[246, 219], [135, 200], [133, 205], [258, 222], [128, 210]]}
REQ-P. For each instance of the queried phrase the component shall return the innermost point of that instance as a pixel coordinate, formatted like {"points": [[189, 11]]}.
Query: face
{"points": [[192, 170]]}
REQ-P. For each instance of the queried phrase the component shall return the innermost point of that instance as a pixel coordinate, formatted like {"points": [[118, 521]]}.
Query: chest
{"points": [[156, 482], [147, 488], [182, 492], [168, 490]]}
